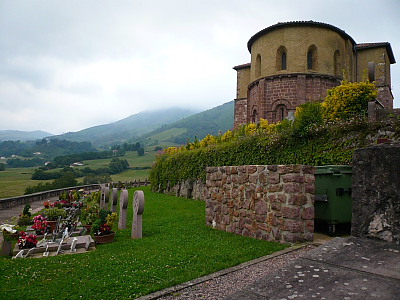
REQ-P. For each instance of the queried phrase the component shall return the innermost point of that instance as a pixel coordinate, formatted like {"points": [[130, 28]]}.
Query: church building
{"points": [[296, 62]]}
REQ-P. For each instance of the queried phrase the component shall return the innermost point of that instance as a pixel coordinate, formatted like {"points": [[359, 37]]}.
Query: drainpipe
{"points": [[356, 55]]}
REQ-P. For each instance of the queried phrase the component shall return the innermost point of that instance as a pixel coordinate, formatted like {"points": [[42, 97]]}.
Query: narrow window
{"points": [[284, 61], [309, 59], [281, 58], [312, 58], [336, 62], [258, 65], [280, 112], [254, 117]]}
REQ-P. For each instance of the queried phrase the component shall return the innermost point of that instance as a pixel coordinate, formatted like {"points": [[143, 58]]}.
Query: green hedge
{"points": [[324, 145]]}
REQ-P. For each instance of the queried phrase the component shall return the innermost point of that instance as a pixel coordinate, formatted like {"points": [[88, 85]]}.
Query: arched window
{"points": [[254, 116], [337, 63], [312, 58], [280, 112], [258, 65], [281, 58]]}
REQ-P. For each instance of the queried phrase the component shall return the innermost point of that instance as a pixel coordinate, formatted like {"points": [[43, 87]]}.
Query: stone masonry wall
{"points": [[274, 202], [376, 193]]}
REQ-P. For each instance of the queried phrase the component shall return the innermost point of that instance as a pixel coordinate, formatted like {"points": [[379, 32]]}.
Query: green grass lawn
{"points": [[176, 247], [13, 181]]}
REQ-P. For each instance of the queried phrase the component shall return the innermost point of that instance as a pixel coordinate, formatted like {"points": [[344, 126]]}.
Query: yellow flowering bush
{"points": [[251, 129], [227, 136], [349, 99], [208, 140]]}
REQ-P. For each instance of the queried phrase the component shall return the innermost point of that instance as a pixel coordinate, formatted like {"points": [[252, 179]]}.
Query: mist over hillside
{"points": [[17, 135]]}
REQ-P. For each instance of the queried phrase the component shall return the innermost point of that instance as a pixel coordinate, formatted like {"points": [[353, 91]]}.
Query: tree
{"points": [[348, 100], [140, 151], [2, 167]]}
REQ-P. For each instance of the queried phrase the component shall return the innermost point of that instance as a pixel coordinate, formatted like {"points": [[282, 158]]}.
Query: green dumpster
{"points": [[333, 203]]}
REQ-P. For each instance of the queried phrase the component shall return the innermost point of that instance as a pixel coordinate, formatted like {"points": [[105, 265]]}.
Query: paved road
{"points": [[344, 268]]}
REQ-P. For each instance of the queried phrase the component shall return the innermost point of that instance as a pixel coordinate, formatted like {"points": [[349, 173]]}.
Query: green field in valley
{"points": [[14, 181]]}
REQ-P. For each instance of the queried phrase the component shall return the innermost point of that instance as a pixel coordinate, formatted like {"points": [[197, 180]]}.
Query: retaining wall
{"points": [[274, 202], [15, 201]]}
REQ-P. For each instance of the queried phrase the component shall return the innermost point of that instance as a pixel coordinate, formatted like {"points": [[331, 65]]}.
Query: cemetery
{"points": [[63, 227], [175, 247]]}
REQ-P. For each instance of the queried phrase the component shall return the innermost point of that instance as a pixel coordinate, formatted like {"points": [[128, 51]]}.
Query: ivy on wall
{"points": [[329, 144]]}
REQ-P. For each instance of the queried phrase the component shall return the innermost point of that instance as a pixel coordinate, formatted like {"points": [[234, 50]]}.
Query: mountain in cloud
{"points": [[17, 135], [212, 121]]}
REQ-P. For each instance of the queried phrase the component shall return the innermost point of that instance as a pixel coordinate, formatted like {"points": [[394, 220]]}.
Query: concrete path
{"points": [[7, 214], [344, 268]]}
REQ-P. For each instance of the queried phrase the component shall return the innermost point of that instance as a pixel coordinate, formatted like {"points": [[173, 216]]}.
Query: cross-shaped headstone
{"points": [[138, 201]]}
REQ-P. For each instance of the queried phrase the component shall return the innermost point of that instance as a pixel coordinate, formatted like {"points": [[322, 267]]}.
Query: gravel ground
{"points": [[219, 287]]}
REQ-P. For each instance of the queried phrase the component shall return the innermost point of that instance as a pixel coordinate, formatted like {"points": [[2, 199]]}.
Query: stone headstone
{"points": [[114, 199], [106, 197], [123, 205], [102, 197], [138, 202]]}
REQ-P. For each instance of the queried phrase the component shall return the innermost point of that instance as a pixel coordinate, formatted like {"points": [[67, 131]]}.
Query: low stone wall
{"points": [[188, 189], [376, 192], [274, 202], [15, 201]]}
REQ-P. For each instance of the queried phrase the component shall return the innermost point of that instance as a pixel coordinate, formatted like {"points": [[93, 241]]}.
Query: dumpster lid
{"points": [[334, 169]]}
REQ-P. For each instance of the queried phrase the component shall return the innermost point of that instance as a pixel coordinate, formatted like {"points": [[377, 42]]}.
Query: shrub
{"points": [[349, 99], [307, 115]]}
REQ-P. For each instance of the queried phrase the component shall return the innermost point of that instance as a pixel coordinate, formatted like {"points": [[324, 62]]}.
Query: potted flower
{"points": [[9, 233], [90, 210], [39, 224], [27, 241], [52, 215], [46, 204], [102, 227], [25, 218]]}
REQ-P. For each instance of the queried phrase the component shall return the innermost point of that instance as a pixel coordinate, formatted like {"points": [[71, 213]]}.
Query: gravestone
{"points": [[138, 202], [114, 199], [123, 205], [102, 200], [106, 197]]}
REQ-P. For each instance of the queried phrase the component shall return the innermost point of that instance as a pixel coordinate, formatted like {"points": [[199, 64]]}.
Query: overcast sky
{"points": [[70, 65]]}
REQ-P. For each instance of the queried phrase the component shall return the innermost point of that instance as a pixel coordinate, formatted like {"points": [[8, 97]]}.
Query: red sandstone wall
{"points": [[290, 90], [274, 203]]}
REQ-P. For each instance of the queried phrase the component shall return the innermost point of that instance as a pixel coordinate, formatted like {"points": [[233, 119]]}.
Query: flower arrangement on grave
{"points": [[105, 222], [53, 213], [8, 231], [47, 204], [90, 213], [39, 224], [25, 218], [64, 203], [26, 241]]}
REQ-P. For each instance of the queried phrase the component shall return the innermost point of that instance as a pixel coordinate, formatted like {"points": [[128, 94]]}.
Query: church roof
{"points": [[378, 45], [297, 24], [244, 66]]}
